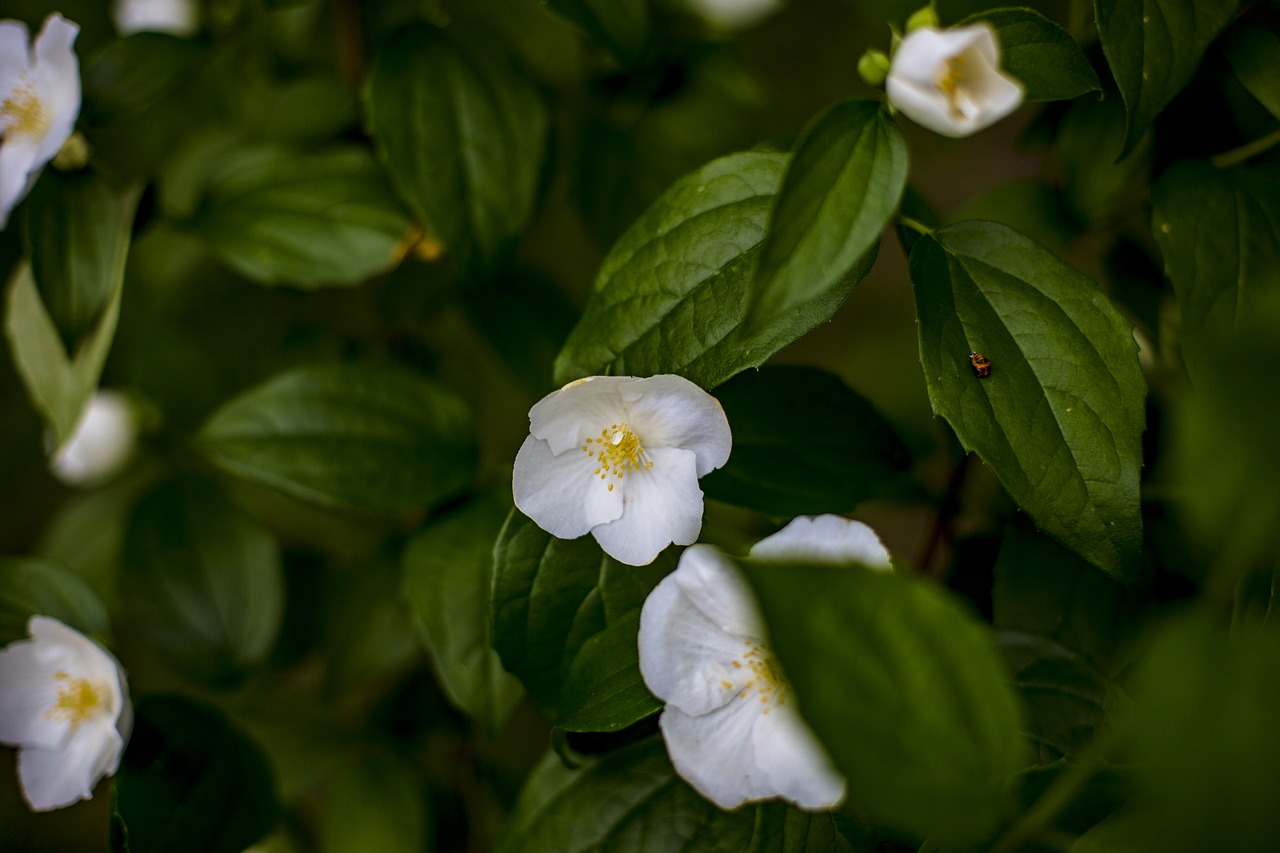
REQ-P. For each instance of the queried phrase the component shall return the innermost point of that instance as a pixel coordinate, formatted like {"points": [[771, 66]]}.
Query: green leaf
{"points": [[632, 800], [375, 805], [1060, 418], [904, 688], [188, 774], [1252, 52], [33, 586], [134, 73], [1219, 232], [448, 573], [1153, 48], [672, 294], [1041, 54], [462, 134], [364, 436], [1093, 187], [550, 596], [368, 625], [603, 690], [201, 582], [619, 26], [278, 216], [59, 387], [842, 185], [79, 234], [803, 443], [1206, 748]]}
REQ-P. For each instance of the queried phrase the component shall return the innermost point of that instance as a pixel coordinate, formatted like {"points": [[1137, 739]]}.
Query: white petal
{"points": [[578, 411], [57, 76], [686, 653], [53, 778], [661, 505], [734, 13], [17, 160], [715, 752], [101, 444], [824, 539], [998, 93], [923, 103], [15, 55], [710, 582], [560, 492], [28, 689], [796, 765], [671, 411], [178, 17]]}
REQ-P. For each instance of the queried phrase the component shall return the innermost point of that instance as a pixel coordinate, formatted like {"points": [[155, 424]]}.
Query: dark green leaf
{"points": [[1041, 54], [603, 690], [671, 296], [461, 132], [1060, 418], [188, 775], [842, 185], [31, 586], [803, 443], [917, 210], [79, 233], [1153, 48], [904, 688], [363, 436], [1207, 754], [620, 26], [448, 573], [376, 805], [550, 596], [134, 73], [1219, 232], [59, 387], [632, 800], [1252, 52], [311, 220], [1093, 187], [201, 582], [369, 626]]}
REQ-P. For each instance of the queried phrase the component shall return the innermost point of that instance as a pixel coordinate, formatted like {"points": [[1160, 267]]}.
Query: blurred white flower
{"points": [[39, 102], [620, 457], [734, 14], [65, 705], [102, 443], [950, 80], [176, 17], [730, 723]]}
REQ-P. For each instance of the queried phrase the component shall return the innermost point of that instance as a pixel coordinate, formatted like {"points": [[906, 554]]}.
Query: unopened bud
{"points": [[926, 17], [73, 155], [873, 67]]}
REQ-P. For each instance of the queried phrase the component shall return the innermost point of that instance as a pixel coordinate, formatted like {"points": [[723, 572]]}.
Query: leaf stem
{"points": [[1236, 156], [915, 225]]}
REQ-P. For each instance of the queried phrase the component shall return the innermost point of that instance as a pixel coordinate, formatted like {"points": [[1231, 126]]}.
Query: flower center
{"points": [[78, 701], [617, 451], [766, 679], [23, 113], [951, 82]]}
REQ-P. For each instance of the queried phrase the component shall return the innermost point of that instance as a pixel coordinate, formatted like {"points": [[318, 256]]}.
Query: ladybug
{"points": [[981, 364]]}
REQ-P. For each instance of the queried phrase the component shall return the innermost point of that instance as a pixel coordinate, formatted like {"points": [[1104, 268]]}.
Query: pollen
{"points": [[766, 680], [617, 451], [22, 113], [78, 701]]}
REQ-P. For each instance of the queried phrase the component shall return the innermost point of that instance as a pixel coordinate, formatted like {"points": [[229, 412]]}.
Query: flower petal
{"points": [[661, 505], [559, 492], [687, 647], [671, 411], [53, 778], [578, 411], [796, 765], [713, 752], [15, 55], [17, 160], [824, 539], [28, 690], [57, 74], [924, 104]]}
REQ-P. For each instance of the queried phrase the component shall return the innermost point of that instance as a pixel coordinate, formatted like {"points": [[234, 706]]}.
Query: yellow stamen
{"points": [[23, 113], [617, 451], [766, 679], [951, 83], [78, 701]]}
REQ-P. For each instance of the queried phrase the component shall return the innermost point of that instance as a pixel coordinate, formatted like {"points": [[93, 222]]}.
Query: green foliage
{"points": [[921, 718], [619, 26], [1251, 50], [375, 806], [363, 436], [161, 806], [32, 586], [1065, 388], [1153, 48], [1042, 55]]}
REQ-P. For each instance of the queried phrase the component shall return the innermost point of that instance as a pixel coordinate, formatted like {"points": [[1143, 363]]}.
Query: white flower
{"points": [[730, 723], [950, 80], [734, 14], [103, 441], [65, 705], [39, 102], [177, 17], [620, 457]]}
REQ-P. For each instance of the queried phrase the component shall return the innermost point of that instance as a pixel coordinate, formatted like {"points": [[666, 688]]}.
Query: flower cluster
{"points": [[65, 705]]}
